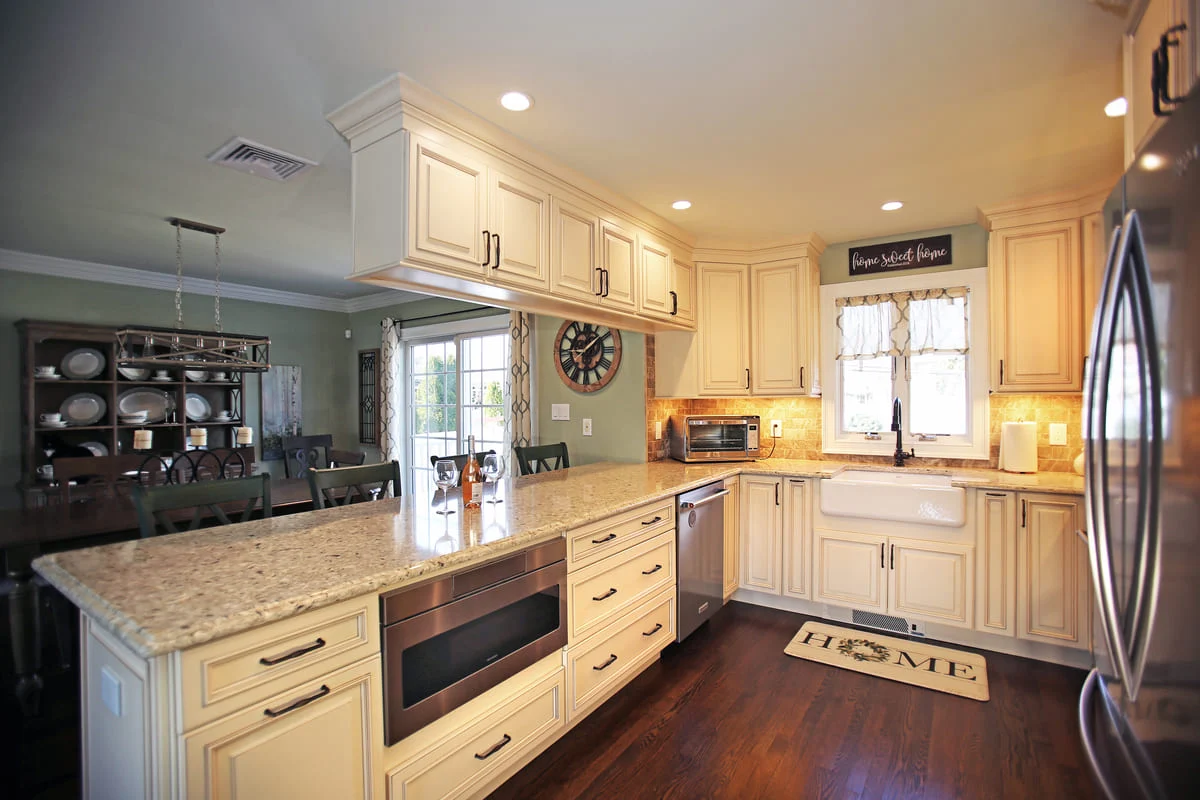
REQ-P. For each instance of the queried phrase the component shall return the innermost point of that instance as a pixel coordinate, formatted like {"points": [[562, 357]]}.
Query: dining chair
{"points": [[324, 483], [542, 458], [104, 477], [460, 461], [347, 458], [302, 452], [159, 505]]}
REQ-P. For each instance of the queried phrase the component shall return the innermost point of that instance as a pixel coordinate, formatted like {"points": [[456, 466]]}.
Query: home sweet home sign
{"points": [[931, 251]]}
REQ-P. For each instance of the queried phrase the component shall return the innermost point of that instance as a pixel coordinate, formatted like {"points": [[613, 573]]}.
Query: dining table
{"points": [[26, 533]]}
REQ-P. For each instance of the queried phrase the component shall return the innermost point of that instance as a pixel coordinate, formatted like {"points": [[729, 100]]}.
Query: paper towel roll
{"points": [[1018, 447]]}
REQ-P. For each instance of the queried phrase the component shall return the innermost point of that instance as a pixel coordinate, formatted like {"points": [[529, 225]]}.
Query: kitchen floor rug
{"points": [[904, 660]]}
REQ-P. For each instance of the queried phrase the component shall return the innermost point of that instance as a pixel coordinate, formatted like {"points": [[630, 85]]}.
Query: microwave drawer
{"points": [[602, 592]]}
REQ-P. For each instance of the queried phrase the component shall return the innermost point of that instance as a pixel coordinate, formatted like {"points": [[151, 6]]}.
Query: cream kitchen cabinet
{"points": [[724, 330], [996, 579], [575, 270], [618, 259], [782, 347], [931, 580], [519, 227], [733, 519], [448, 206], [1053, 580], [849, 569], [684, 276], [1148, 21], [668, 288], [776, 534]]}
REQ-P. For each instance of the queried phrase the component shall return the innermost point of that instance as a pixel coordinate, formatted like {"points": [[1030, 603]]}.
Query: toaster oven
{"points": [[714, 438]]}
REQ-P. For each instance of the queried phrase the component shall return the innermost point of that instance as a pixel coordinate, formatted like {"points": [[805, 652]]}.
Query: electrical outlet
{"points": [[560, 411], [1058, 433], [776, 428], [587, 426], [658, 429], [916, 629]]}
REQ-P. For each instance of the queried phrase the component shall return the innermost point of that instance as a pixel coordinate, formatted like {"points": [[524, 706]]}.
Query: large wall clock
{"points": [[587, 355]]}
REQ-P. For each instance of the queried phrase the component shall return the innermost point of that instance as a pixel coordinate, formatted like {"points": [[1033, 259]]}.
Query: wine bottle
{"points": [[472, 478]]}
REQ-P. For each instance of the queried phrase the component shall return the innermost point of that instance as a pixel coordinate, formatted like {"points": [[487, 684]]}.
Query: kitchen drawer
{"points": [[222, 676], [595, 667], [592, 542], [464, 761], [600, 593]]}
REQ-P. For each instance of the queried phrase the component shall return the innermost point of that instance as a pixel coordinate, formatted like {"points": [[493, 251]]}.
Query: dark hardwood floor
{"points": [[727, 714]]}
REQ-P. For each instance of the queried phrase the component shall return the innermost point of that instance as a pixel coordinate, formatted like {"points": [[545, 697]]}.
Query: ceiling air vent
{"points": [[265, 162]]}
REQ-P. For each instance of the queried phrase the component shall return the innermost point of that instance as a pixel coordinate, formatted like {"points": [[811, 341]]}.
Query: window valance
{"points": [[903, 323]]}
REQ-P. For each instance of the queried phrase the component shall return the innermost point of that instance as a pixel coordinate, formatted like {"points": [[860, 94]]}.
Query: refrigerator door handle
{"points": [[1085, 732]]}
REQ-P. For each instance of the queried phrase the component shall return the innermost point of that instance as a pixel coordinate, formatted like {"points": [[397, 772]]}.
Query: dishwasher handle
{"points": [[687, 504]]}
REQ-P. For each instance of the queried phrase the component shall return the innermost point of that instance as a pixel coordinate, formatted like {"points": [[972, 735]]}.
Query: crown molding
{"points": [[739, 252], [369, 302], [32, 263], [1046, 207]]}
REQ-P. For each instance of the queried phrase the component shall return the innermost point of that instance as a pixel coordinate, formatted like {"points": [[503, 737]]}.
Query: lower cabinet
{"points": [[775, 526], [314, 741], [850, 569], [733, 519], [1053, 581]]}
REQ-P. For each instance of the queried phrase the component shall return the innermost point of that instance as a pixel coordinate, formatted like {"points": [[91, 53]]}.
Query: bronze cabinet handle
{"points": [[893, 556], [303, 701], [801, 377], [1024, 512], [491, 751], [608, 538], [747, 377], [270, 661], [487, 241], [601, 292], [651, 522], [882, 547], [657, 567], [606, 595], [496, 236], [674, 304], [608, 662], [653, 630]]}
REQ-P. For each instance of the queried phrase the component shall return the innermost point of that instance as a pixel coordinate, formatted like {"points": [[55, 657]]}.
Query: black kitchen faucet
{"points": [[899, 429]]}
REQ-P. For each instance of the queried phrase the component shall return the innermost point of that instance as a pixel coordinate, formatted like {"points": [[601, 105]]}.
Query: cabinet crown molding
{"points": [[1068, 204], [810, 245]]}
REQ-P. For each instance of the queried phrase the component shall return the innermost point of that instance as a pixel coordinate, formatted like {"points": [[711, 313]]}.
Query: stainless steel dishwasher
{"points": [[700, 538]]}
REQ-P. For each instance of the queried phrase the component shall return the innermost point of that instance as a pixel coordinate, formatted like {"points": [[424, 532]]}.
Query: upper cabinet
{"points": [[724, 332], [1161, 65], [445, 203], [1035, 282], [782, 323]]}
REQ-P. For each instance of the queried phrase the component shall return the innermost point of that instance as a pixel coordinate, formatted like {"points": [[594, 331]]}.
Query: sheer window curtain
{"points": [[903, 323], [391, 394], [518, 422]]}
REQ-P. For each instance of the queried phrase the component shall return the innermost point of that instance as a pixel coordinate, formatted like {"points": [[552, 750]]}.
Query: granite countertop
{"points": [[174, 592]]}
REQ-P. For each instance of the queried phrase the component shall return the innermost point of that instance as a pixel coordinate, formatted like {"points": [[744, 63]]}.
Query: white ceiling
{"points": [[773, 118]]}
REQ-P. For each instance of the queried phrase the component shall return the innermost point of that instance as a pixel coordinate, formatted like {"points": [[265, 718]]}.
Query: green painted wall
{"points": [[313, 339], [618, 411], [968, 248]]}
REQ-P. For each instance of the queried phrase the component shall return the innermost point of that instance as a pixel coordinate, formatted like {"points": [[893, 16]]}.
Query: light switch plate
{"points": [[110, 691], [587, 427], [1058, 433], [658, 429], [560, 411]]}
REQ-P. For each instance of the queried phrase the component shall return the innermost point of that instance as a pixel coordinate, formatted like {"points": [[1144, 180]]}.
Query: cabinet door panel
{"points": [[797, 516], [723, 330], [618, 255], [574, 260], [779, 342], [761, 534], [996, 599], [930, 580], [1140, 121], [850, 569], [684, 283], [450, 207], [519, 214], [733, 518], [1053, 594], [656, 264]]}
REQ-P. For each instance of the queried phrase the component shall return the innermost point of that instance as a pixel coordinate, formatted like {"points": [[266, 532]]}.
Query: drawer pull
{"points": [[651, 522], [608, 662], [491, 751], [657, 567], [653, 630], [608, 538], [606, 595], [270, 661], [303, 701]]}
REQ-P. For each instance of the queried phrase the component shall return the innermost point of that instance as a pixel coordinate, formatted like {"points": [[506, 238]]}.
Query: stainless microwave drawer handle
{"points": [[689, 505]]}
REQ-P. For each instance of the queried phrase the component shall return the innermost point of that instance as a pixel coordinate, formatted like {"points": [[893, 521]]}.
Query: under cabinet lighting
{"points": [[1116, 108], [516, 101], [681, 205], [892, 205]]}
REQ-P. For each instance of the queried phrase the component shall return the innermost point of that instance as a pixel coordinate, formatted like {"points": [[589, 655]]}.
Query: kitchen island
{"points": [[175, 630]]}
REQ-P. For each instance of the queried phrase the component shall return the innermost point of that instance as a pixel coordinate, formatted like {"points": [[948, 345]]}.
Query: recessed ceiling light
{"points": [[1116, 108], [893, 205], [1152, 161], [681, 205], [516, 101]]}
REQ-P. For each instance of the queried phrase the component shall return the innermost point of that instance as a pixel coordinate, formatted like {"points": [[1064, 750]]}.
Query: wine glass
{"points": [[493, 470], [445, 475]]}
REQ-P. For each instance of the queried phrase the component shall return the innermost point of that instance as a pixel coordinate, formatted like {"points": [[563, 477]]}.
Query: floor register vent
{"points": [[258, 159], [885, 623]]}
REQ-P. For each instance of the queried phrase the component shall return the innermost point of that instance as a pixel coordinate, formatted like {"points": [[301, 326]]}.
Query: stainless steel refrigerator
{"points": [[1139, 710]]}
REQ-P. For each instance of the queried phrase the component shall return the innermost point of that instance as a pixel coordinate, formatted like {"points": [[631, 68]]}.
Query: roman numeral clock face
{"points": [[587, 355]]}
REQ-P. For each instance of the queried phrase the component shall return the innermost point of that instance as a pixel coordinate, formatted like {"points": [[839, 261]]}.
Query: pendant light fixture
{"points": [[143, 346]]}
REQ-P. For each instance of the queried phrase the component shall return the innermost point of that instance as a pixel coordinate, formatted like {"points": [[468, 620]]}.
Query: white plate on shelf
{"points": [[84, 408], [196, 375], [82, 364], [59, 424], [152, 401], [134, 373], [98, 449], [197, 408]]}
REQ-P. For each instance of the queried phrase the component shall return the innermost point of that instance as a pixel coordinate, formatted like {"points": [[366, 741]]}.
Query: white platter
{"points": [[82, 364], [197, 408], [152, 401], [84, 408], [134, 373], [97, 448]]}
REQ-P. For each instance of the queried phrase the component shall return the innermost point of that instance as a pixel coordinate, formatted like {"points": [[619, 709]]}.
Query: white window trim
{"points": [[978, 440]]}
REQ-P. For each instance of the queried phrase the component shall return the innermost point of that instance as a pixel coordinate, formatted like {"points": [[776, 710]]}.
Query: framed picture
{"points": [[282, 410]]}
